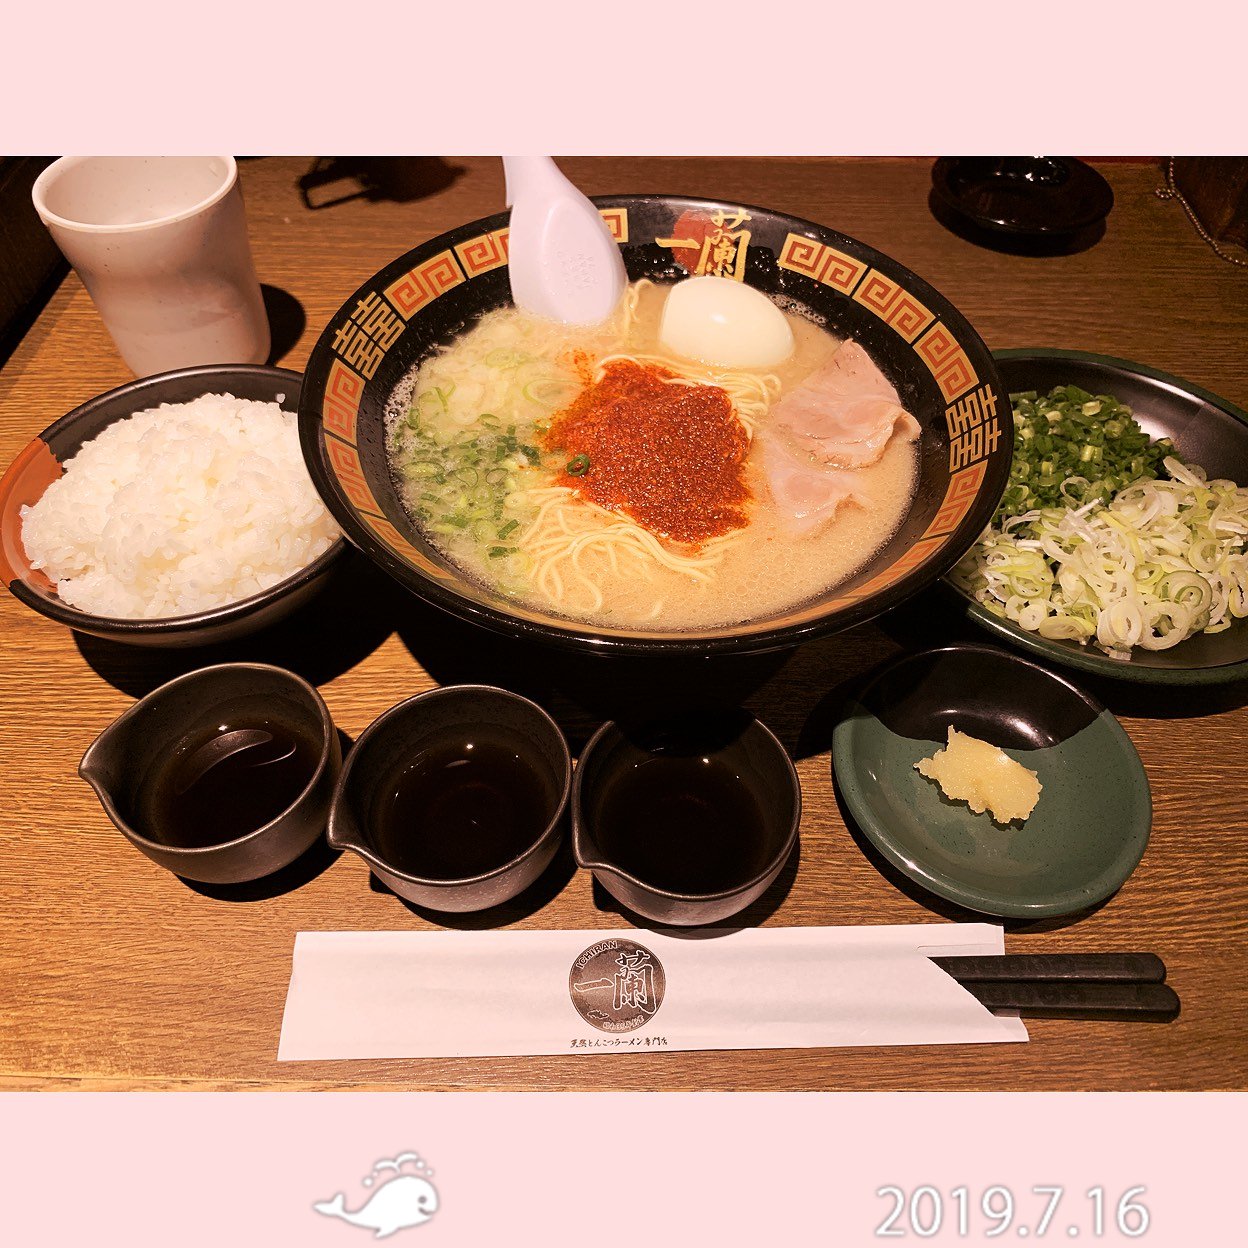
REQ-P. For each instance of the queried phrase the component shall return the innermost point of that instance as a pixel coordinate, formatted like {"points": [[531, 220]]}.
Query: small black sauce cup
{"points": [[424, 722], [745, 749], [126, 755]]}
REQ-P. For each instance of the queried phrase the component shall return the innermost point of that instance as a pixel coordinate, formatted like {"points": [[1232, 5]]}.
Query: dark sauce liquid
{"points": [[460, 809], [221, 784], [685, 825]]}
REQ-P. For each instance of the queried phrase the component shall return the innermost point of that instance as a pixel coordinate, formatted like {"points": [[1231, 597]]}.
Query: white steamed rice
{"points": [[179, 509]]}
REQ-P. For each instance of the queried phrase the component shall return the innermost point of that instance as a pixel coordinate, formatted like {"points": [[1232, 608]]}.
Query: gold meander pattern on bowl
{"points": [[897, 308], [946, 361], [485, 252], [823, 263], [375, 325], [423, 284]]}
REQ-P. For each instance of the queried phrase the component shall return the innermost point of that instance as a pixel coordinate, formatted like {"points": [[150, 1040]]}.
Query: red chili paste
{"points": [[671, 457]]}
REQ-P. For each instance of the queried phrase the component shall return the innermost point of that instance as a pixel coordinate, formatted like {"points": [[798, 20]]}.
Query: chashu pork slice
{"points": [[844, 413], [837, 421], [806, 493]]}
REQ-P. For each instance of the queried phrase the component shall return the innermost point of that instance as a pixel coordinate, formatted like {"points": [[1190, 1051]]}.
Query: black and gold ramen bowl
{"points": [[423, 300]]}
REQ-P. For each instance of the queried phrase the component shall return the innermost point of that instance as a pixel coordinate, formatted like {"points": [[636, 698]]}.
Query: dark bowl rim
{"points": [[169, 625], [774, 864], [941, 885], [211, 672], [365, 850], [569, 636], [1081, 659]]}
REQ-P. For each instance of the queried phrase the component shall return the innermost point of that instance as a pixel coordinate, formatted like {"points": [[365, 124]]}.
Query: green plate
{"points": [[1207, 430], [1088, 830]]}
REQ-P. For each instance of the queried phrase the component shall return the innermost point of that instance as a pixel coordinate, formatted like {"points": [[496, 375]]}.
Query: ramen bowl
{"points": [[41, 463], [426, 299]]}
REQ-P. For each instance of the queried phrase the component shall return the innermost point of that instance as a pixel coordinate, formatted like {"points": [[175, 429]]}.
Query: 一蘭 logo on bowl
{"points": [[710, 244], [617, 985]]}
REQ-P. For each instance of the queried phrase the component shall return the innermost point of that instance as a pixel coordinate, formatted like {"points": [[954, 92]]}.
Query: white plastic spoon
{"points": [[563, 262]]}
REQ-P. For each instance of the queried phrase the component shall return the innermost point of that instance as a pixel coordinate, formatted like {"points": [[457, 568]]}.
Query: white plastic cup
{"points": [[160, 243]]}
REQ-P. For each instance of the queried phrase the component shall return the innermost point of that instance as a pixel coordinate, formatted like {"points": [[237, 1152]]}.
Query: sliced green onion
{"points": [[504, 357], [1146, 561]]}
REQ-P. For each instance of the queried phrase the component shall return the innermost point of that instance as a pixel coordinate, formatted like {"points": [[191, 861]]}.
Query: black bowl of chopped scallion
{"points": [[1119, 544]]}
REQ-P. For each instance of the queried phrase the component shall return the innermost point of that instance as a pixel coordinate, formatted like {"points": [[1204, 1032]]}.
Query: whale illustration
{"points": [[402, 1202]]}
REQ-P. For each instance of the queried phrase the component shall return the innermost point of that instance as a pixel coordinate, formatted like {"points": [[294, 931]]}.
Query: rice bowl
{"points": [[179, 509], [42, 463]]}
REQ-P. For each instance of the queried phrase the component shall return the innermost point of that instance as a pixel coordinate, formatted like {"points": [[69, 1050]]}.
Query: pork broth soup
{"points": [[596, 474]]}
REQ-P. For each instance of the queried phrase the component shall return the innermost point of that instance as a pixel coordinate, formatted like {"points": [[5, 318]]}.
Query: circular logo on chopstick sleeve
{"points": [[617, 985]]}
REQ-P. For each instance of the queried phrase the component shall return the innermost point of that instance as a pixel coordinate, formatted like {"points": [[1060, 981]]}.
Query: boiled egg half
{"points": [[724, 323]]}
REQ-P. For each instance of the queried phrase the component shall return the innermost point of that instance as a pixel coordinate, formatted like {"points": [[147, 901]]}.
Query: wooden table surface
{"points": [[115, 974]]}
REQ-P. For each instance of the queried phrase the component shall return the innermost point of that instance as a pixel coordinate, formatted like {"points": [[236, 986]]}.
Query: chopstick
{"points": [[1143, 1003], [1108, 986], [1101, 968]]}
